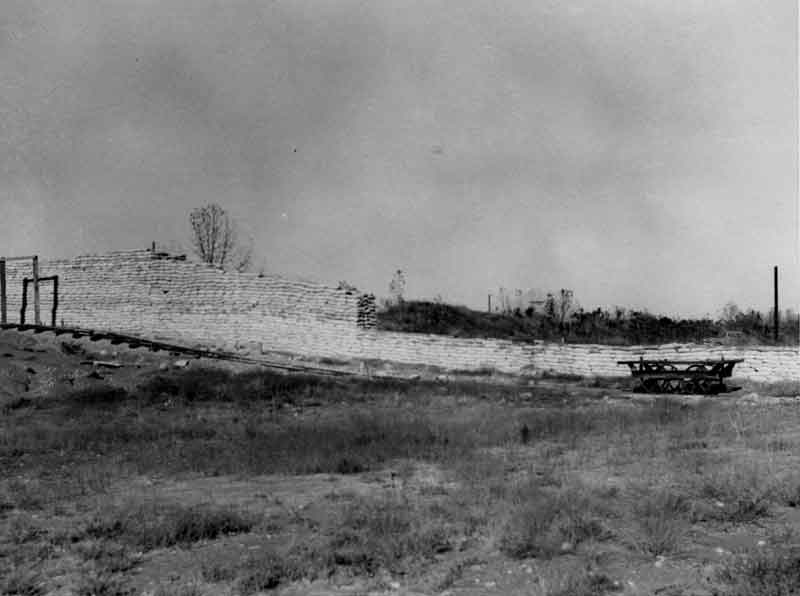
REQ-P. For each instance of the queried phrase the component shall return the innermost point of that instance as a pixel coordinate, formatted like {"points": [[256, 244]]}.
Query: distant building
{"points": [[507, 301]]}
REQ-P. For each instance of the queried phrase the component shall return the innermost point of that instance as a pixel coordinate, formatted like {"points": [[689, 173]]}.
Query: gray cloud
{"points": [[524, 144]]}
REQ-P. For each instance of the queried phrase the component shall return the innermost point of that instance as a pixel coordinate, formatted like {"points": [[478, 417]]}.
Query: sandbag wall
{"points": [[163, 296], [761, 363], [166, 297]]}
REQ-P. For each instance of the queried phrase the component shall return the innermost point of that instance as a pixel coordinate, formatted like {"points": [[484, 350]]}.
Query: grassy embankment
{"points": [[386, 483]]}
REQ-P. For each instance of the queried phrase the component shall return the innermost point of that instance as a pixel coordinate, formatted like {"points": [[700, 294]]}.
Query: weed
{"points": [[16, 404], [789, 493], [742, 493], [353, 464], [662, 520], [547, 523], [573, 425], [269, 569], [387, 533], [191, 589], [561, 377], [98, 397], [108, 556], [587, 584], [774, 389], [25, 580], [482, 371], [214, 572], [23, 529], [94, 582], [766, 572], [23, 494], [454, 573], [160, 524]]}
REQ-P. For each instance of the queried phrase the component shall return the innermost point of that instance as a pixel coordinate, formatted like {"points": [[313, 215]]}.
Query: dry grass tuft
{"points": [[546, 523], [662, 520], [157, 524], [766, 572]]}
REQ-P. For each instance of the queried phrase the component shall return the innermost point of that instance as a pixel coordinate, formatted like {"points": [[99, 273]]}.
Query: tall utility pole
{"points": [[775, 312]]}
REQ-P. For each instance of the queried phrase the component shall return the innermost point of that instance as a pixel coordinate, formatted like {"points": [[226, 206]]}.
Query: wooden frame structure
{"points": [[24, 307], [35, 279]]}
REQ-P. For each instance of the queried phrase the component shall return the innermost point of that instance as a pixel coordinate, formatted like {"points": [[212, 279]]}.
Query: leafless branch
{"points": [[215, 240]]}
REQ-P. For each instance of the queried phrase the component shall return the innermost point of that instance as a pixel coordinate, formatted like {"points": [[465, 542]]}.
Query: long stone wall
{"points": [[166, 297]]}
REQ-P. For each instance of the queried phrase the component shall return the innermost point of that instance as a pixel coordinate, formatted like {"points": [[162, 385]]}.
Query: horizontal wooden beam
{"points": [[681, 362], [17, 258]]}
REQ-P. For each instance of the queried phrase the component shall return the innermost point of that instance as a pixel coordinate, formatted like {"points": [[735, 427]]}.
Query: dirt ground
{"points": [[37, 365], [730, 467]]}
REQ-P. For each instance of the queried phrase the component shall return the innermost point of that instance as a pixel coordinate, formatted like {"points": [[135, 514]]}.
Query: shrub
{"points": [[198, 384], [744, 493], [547, 523], [98, 397], [572, 425], [663, 520], [268, 570], [387, 533], [366, 536], [16, 404]]}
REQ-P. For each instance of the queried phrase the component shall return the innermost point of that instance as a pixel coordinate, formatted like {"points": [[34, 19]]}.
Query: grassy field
{"points": [[203, 481]]}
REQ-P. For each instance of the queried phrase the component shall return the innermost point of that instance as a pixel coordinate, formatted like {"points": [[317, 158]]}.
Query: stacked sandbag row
{"points": [[467, 354], [146, 293], [167, 297], [367, 312], [764, 363]]}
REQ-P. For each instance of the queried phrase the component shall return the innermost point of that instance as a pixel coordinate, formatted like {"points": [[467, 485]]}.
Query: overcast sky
{"points": [[643, 154]]}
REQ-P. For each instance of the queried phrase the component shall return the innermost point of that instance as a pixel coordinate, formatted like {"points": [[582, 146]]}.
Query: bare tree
{"points": [[215, 239], [566, 305], [559, 307], [397, 287], [730, 312]]}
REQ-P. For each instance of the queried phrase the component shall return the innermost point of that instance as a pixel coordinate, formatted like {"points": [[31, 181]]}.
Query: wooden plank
{"points": [[24, 302], [37, 319], [3, 305], [679, 362], [55, 300]]}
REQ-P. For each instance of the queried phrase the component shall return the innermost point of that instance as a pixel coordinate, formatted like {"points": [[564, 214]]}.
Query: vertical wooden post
{"points": [[490, 303], [24, 301], [37, 319], [3, 311], [55, 300], [775, 314]]}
